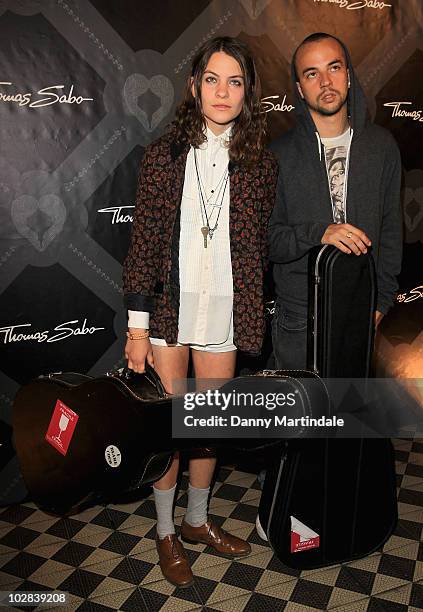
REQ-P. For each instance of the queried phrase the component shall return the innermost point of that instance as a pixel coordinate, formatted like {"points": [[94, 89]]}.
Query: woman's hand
{"points": [[137, 352]]}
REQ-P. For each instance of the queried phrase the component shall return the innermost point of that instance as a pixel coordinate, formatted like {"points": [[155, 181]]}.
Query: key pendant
{"points": [[205, 231]]}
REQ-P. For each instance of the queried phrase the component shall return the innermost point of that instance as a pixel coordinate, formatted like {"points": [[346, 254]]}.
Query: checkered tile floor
{"points": [[105, 558]]}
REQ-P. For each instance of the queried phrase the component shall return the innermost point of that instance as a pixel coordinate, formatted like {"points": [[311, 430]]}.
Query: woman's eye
{"points": [[210, 79], [235, 82]]}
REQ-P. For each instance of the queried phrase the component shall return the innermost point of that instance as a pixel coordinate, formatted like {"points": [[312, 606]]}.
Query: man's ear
{"points": [[300, 91], [348, 74]]}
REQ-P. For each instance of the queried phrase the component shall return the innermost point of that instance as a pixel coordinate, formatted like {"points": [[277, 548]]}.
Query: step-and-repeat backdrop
{"points": [[86, 85]]}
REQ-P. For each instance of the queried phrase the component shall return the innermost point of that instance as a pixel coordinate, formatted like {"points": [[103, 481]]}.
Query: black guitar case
{"points": [[105, 445], [342, 302], [328, 501], [83, 440], [12, 486]]}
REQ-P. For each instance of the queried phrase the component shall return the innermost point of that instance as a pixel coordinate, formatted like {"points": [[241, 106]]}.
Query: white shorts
{"points": [[224, 347]]}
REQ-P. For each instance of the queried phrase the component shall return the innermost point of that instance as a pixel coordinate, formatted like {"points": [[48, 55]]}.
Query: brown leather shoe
{"points": [[174, 561], [218, 538]]}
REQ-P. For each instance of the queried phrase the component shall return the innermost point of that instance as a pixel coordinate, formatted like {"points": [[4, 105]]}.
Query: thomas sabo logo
{"points": [[401, 110], [274, 103], [24, 333], [43, 97], [353, 5], [119, 214]]}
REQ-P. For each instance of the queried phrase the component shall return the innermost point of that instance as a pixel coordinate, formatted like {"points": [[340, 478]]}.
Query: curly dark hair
{"points": [[247, 138]]}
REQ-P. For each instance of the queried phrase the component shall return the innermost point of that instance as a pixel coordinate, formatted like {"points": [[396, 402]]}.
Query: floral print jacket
{"points": [[151, 268]]}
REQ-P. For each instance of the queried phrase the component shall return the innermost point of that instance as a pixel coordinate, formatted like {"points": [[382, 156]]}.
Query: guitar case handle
{"points": [[150, 375]]}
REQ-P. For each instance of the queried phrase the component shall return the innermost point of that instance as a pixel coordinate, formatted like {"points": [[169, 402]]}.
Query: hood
{"points": [[357, 105]]}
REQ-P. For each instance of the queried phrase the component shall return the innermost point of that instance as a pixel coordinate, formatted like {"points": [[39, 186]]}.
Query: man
{"points": [[338, 184]]}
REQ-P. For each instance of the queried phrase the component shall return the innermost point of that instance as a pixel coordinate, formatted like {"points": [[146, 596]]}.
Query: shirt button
{"points": [[204, 293]]}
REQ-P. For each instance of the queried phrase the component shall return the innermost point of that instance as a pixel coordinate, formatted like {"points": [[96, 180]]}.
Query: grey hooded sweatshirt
{"points": [[303, 208]]}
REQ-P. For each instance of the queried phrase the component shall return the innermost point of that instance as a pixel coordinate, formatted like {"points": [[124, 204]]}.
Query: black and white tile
{"points": [[105, 557]]}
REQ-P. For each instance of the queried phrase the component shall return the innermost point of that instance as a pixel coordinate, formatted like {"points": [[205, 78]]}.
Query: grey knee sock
{"points": [[196, 514], [164, 510]]}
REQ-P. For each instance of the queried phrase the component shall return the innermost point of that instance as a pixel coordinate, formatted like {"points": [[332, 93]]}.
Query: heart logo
{"points": [[39, 221], [136, 85], [254, 7], [413, 207]]}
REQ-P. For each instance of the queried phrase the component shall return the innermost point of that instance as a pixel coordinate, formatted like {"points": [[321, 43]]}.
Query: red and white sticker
{"points": [[302, 537], [61, 428]]}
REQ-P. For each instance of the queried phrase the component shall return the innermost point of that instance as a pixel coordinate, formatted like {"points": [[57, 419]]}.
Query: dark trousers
{"points": [[289, 338]]}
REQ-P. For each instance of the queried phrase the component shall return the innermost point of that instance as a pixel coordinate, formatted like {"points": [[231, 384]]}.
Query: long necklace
{"points": [[207, 229], [217, 189]]}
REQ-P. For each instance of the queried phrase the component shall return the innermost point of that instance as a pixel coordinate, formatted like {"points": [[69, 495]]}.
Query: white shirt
{"points": [[205, 274]]}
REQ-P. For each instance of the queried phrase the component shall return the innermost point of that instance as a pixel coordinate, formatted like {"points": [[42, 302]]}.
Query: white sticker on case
{"points": [[113, 456]]}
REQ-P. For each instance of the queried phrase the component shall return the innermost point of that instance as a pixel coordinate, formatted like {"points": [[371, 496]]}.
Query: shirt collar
{"points": [[220, 140], [336, 139]]}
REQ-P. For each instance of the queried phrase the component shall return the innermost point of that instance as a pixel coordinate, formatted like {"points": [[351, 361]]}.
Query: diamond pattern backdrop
{"points": [[85, 86]]}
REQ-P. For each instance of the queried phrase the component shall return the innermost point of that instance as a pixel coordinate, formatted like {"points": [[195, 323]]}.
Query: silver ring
{"points": [[349, 235]]}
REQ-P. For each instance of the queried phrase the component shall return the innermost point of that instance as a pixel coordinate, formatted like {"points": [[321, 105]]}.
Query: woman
{"points": [[193, 277]]}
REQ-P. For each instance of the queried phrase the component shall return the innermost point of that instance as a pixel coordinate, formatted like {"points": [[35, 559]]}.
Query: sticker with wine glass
{"points": [[61, 428]]}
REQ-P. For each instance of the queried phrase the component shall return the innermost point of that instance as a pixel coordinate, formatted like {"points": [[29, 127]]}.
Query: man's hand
{"points": [[378, 317], [346, 238]]}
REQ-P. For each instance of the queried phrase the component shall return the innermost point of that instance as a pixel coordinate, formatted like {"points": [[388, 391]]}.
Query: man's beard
{"points": [[328, 112]]}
